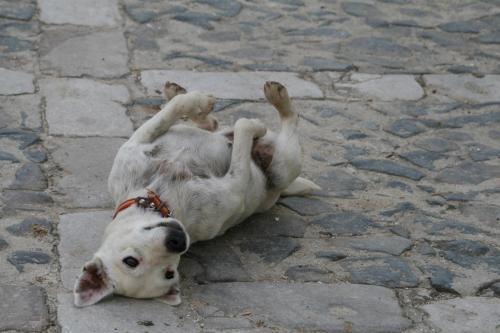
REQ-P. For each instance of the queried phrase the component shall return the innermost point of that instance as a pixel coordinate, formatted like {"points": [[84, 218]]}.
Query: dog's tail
{"points": [[300, 186]]}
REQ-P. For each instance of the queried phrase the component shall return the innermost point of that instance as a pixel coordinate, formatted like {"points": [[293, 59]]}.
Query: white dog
{"points": [[177, 184]]}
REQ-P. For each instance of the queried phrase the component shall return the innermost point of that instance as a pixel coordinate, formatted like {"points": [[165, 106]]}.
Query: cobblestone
{"points": [[399, 126]]}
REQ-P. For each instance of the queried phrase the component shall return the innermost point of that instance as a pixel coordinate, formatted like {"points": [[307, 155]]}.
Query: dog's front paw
{"points": [[172, 89], [195, 105], [253, 126]]}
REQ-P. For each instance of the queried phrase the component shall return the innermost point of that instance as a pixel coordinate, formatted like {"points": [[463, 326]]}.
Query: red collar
{"points": [[152, 201]]}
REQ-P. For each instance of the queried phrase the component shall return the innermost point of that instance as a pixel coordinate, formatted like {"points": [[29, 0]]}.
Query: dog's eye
{"points": [[169, 275], [131, 262]]}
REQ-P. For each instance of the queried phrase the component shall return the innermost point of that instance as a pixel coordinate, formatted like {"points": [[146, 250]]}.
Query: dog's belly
{"points": [[203, 154], [191, 150]]}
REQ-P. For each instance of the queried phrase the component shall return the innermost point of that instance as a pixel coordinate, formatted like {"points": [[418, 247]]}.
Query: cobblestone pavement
{"points": [[400, 105]]}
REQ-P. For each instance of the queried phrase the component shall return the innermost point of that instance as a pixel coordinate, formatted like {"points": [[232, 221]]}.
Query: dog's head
{"points": [[138, 258]]}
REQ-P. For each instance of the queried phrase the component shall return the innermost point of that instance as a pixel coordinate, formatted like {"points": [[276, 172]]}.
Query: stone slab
{"points": [[120, 314], [86, 163], [22, 111], [309, 306], [229, 85], [15, 82], [464, 315], [102, 54], [22, 308], [385, 87], [82, 107], [81, 12], [80, 235], [466, 88]]}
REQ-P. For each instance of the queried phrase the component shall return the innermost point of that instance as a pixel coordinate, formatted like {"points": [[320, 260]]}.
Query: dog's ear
{"points": [[173, 296], [92, 285]]}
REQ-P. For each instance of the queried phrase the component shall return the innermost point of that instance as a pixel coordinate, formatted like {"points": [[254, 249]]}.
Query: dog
{"points": [[175, 184]]}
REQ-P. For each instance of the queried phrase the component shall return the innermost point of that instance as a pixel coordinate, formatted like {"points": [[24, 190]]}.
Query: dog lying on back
{"points": [[176, 184]]}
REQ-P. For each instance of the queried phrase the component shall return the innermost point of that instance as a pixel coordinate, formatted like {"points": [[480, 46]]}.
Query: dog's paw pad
{"points": [[172, 89], [276, 93]]}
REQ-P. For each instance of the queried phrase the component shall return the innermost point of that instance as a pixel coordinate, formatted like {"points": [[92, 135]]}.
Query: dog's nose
{"points": [[176, 239]]}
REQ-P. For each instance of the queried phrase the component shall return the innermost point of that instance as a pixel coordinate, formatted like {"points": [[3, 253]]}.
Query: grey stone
{"points": [[470, 26], [272, 250], [339, 181], [322, 64], [377, 46], [11, 44], [442, 39], [208, 60], [29, 177], [317, 307], [330, 255], [481, 119], [80, 236], [306, 206], [36, 154], [15, 82], [290, 2], [390, 272], [466, 87], [441, 278], [237, 86], [23, 308], [20, 111], [84, 12], [468, 173], [350, 134], [400, 231], [86, 169], [29, 225], [221, 36], [437, 145], [385, 87], [352, 151], [360, 9], [496, 288], [421, 158], [400, 185], [457, 136], [275, 225], [25, 199], [494, 134], [140, 14], [467, 253], [425, 249], [203, 20], [252, 53], [27, 138], [486, 213], [480, 152], [307, 273], [229, 8], [405, 128], [3, 244], [121, 314], [101, 54], [219, 261], [394, 245], [21, 258], [19, 10], [462, 69], [344, 223], [5, 156], [492, 38], [464, 315], [401, 207], [222, 323], [443, 228], [388, 167], [85, 107], [455, 196], [318, 31]]}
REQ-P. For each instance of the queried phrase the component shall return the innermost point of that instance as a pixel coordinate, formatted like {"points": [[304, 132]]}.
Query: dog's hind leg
{"points": [[191, 104], [286, 163], [203, 121]]}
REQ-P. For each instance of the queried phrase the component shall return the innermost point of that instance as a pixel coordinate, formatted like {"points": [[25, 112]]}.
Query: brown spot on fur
{"points": [[93, 278], [262, 154]]}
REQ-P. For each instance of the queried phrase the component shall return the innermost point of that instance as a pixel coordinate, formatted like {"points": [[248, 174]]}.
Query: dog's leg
{"points": [[286, 163], [192, 105], [204, 121], [245, 131]]}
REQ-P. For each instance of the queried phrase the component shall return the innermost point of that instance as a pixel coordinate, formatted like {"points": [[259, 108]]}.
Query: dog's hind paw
{"points": [[254, 126]]}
